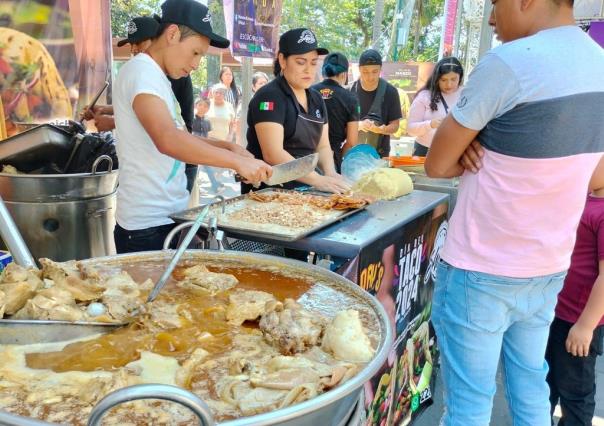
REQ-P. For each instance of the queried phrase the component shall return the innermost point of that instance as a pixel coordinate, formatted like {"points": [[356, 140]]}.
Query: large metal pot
{"points": [[63, 217], [332, 408]]}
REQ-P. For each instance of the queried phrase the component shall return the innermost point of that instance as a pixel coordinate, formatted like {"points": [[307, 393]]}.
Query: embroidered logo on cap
{"points": [[207, 18], [267, 106], [307, 37], [131, 27]]}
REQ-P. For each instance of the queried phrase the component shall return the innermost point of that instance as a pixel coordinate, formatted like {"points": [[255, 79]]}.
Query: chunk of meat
{"points": [[122, 296], [248, 305], [16, 295], [80, 280], [2, 303], [286, 379], [186, 371], [14, 273], [292, 329], [165, 316], [212, 282], [346, 339], [51, 304]]}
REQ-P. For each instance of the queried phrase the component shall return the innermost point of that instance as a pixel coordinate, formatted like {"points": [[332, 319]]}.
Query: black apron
{"points": [[304, 142]]}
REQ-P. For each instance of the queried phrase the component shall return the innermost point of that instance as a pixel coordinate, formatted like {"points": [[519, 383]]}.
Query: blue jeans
{"points": [[480, 319]]}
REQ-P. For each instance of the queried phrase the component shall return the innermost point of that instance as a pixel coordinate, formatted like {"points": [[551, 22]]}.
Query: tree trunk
{"points": [[418, 28], [377, 23]]}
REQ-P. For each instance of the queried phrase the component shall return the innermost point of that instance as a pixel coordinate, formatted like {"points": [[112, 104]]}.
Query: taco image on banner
{"points": [[420, 358], [32, 88]]}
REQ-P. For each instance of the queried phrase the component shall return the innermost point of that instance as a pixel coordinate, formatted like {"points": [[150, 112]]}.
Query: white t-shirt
{"points": [[151, 185], [220, 117]]}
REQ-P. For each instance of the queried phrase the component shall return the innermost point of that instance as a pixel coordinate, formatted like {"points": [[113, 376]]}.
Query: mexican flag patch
{"points": [[267, 106]]}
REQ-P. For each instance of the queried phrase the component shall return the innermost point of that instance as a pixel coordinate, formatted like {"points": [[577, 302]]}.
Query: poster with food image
{"points": [[51, 63], [400, 271]]}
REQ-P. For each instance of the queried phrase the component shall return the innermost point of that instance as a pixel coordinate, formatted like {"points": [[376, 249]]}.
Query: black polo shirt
{"points": [[391, 107], [342, 108], [275, 102]]}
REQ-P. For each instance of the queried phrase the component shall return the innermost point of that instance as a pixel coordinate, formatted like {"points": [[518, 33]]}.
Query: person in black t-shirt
{"points": [[342, 106], [288, 120], [381, 120]]}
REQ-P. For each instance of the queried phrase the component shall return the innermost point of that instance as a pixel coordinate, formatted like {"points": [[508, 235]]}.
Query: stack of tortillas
{"points": [[384, 184]]}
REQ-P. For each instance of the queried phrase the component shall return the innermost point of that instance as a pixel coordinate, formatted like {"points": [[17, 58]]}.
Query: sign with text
{"points": [[253, 27]]}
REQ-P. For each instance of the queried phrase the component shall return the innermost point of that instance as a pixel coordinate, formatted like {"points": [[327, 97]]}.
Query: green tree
{"points": [[424, 41], [124, 10], [344, 26]]}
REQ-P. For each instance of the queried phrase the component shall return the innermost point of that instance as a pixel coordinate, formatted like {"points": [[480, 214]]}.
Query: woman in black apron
{"points": [[287, 120]]}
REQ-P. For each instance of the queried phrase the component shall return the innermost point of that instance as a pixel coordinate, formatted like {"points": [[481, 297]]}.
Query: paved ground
{"points": [[431, 417]]}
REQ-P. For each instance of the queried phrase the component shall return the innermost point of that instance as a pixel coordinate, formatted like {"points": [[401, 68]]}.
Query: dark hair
{"points": [[233, 87], [277, 66], [444, 66], [202, 101], [331, 70], [257, 76]]}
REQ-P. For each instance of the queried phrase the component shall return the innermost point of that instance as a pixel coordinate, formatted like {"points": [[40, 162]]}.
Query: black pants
{"points": [[572, 379], [142, 239], [419, 150]]}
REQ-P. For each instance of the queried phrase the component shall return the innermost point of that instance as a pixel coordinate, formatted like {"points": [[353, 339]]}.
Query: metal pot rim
{"points": [[49, 176], [326, 398]]}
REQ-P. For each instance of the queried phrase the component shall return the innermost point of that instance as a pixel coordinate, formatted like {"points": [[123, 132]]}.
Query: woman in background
{"points": [[233, 96], [259, 79], [433, 102]]}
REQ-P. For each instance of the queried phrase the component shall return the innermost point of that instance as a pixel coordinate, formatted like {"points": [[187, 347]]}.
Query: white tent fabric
{"points": [[589, 9]]}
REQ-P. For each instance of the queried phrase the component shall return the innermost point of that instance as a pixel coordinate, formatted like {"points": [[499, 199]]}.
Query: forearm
{"points": [[594, 309], [182, 146], [418, 128], [326, 160]]}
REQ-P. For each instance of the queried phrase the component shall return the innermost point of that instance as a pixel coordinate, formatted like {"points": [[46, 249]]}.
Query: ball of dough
{"points": [[384, 184]]}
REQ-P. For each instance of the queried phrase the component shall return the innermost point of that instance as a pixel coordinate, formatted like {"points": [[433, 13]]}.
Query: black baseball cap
{"points": [[299, 41], [336, 58], [140, 29], [370, 57], [194, 15]]}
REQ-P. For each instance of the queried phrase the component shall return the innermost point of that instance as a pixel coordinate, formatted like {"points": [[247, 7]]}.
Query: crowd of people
{"points": [[524, 132]]}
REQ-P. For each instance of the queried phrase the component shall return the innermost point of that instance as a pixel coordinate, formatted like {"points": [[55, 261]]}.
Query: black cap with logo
{"points": [[194, 15], [370, 57], [299, 41], [140, 29], [336, 58]]}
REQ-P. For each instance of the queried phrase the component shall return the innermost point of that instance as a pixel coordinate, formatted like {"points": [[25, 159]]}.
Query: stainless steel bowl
{"points": [[328, 409]]}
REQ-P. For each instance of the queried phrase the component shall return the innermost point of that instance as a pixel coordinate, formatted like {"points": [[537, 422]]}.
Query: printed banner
{"points": [[401, 272], [448, 33], [253, 27], [54, 56]]}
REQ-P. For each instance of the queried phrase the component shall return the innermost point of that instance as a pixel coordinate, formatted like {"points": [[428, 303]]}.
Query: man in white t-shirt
{"points": [[535, 106], [221, 114], [154, 144]]}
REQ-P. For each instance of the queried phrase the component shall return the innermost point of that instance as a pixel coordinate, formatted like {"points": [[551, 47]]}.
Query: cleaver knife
{"points": [[292, 170]]}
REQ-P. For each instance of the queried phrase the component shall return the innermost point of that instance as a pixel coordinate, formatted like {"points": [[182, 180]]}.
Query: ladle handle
{"points": [[152, 391], [183, 246], [13, 239]]}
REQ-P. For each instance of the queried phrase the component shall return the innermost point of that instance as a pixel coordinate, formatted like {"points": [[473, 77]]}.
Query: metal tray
{"points": [[251, 230], [36, 148]]}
